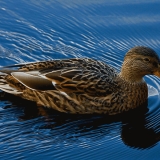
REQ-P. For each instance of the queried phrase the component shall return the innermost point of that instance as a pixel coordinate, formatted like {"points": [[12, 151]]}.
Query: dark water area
{"points": [[104, 30]]}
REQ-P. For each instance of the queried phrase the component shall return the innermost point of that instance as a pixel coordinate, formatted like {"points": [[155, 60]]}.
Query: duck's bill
{"points": [[157, 73]]}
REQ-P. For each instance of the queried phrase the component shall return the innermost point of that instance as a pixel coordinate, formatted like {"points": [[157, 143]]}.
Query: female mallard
{"points": [[84, 85]]}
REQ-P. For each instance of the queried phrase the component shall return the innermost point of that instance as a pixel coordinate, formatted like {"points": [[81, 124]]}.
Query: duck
{"points": [[84, 85]]}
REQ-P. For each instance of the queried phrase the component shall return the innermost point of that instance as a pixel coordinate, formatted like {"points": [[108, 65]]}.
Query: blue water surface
{"points": [[33, 30]]}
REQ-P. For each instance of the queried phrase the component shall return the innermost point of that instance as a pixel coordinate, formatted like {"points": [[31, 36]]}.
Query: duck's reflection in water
{"points": [[132, 126]]}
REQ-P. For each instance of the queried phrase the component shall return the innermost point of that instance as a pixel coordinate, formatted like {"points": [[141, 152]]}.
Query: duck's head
{"points": [[138, 62]]}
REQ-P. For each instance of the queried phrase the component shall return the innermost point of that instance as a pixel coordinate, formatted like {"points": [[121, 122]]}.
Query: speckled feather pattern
{"points": [[78, 75], [114, 103]]}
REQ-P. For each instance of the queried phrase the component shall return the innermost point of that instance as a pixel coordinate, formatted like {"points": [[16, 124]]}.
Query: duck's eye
{"points": [[146, 59]]}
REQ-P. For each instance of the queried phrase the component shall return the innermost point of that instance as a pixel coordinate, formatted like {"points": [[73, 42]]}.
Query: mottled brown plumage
{"points": [[84, 86]]}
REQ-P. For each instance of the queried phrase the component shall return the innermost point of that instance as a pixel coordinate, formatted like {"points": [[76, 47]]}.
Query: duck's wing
{"points": [[86, 76]]}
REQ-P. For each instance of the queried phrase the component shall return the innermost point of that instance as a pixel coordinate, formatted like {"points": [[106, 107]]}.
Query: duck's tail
{"points": [[4, 86]]}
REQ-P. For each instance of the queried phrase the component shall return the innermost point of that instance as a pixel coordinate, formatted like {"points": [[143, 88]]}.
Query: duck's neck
{"points": [[130, 74]]}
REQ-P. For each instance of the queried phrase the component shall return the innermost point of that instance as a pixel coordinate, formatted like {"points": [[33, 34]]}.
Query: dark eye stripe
{"points": [[138, 58], [147, 59], [155, 64]]}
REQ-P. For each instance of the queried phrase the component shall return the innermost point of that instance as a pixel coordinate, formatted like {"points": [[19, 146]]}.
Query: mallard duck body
{"points": [[83, 86]]}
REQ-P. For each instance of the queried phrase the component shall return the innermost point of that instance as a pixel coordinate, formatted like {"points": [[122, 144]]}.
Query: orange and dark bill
{"points": [[157, 72]]}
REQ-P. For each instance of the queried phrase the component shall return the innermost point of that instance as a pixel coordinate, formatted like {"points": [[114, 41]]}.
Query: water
{"points": [[41, 30]]}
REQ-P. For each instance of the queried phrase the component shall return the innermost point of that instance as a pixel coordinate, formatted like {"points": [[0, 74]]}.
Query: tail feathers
{"points": [[7, 88]]}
